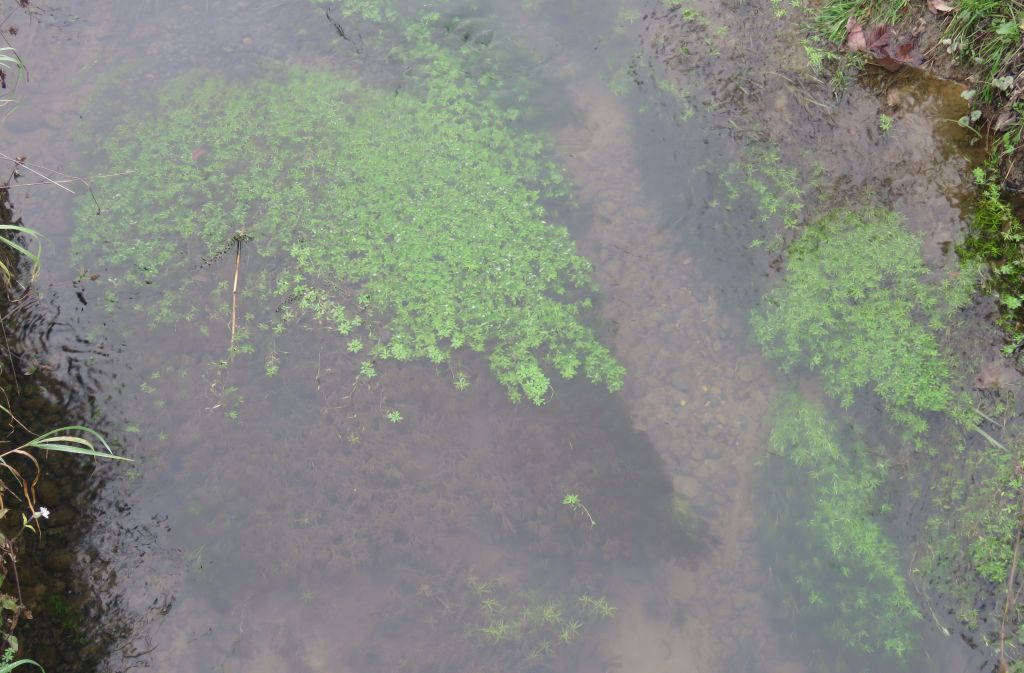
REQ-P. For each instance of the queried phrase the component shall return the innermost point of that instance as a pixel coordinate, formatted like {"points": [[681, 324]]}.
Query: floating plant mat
{"points": [[412, 225]]}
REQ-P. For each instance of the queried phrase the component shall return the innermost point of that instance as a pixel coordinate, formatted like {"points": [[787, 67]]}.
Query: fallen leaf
{"points": [[882, 43], [855, 36], [940, 7], [198, 152], [1004, 121]]}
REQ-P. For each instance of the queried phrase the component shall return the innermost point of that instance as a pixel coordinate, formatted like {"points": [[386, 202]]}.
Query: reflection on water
{"points": [[284, 524]]}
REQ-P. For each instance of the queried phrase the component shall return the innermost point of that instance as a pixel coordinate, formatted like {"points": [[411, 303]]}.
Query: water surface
{"points": [[284, 524]]}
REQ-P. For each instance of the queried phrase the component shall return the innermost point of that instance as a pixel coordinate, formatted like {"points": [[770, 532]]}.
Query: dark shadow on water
{"points": [[311, 493]]}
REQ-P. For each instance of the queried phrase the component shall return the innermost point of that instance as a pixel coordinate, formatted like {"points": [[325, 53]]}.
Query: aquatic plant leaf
{"points": [[413, 221]]}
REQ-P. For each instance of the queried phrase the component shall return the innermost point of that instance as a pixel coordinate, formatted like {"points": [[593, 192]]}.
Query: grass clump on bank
{"points": [[859, 307], [412, 224], [835, 564]]}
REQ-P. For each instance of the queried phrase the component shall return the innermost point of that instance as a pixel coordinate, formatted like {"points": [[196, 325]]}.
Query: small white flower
{"points": [[43, 512]]}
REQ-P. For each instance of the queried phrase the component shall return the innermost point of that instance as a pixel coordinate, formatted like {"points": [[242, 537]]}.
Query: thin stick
{"points": [[30, 169], [69, 180], [10, 358], [234, 287], [17, 582]]}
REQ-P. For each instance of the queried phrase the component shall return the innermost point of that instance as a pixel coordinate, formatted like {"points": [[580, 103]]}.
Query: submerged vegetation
{"points": [[858, 306], [415, 221], [412, 225], [503, 625], [834, 561]]}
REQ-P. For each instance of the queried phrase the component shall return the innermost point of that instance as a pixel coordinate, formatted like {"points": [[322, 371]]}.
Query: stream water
{"points": [[301, 531]]}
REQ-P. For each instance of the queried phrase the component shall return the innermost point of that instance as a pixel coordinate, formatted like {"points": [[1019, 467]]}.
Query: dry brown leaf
{"points": [[940, 7], [1004, 121], [881, 42], [855, 36]]}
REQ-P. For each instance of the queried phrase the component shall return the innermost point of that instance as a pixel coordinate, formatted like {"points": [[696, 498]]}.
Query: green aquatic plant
{"points": [[835, 564], [572, 500], [968, 549], [412, 225], [778, 191], [8, 237], [996, 239], [8, 666], [530, 626], [858, 306], [19, 474]]}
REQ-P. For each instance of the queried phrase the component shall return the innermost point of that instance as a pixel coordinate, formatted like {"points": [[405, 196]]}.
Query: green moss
{"points": [[858, 306], [995, 238], [413, 223], [836, 566]]}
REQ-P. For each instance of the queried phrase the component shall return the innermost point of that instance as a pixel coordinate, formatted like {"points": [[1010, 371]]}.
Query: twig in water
{"points": [[234, 287], [66, 181], [20, 162], [10, 358], [48, 180]]}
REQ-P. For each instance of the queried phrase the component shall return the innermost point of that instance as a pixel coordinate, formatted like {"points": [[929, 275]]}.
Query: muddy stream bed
{"points": [[285, 523]]}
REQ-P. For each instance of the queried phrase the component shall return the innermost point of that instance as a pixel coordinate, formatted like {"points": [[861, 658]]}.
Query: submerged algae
{"points": [[413, 224], [858, 306], [837, 566]]}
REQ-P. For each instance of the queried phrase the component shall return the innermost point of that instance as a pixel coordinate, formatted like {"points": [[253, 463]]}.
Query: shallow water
{"points": [[306, 532]]}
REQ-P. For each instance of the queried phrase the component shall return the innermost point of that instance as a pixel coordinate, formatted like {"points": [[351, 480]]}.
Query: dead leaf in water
{"points": [[940, 7]]}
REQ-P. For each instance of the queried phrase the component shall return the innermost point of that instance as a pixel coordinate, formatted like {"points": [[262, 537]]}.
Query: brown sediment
{"points": [[696, 391]]}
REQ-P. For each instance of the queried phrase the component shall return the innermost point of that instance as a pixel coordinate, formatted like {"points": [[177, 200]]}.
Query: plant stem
{"points": [[587, 512], [234, 288]]}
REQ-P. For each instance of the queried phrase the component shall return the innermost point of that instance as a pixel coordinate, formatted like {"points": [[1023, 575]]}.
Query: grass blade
{"points": [[7, 668]]}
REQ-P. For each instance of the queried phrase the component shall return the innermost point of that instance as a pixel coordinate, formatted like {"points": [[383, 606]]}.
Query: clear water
{"points": [[308, 534]]}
